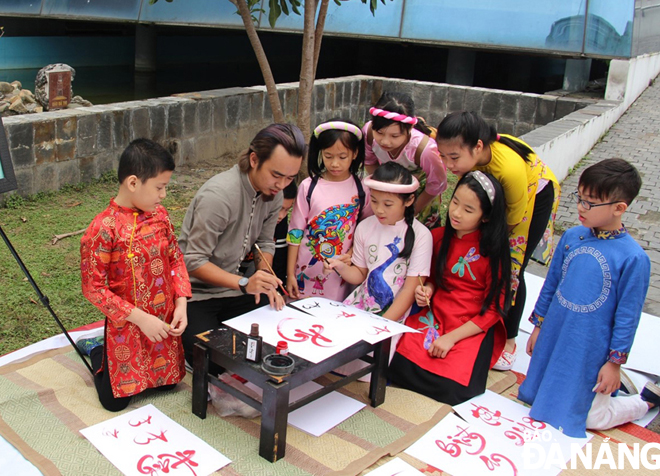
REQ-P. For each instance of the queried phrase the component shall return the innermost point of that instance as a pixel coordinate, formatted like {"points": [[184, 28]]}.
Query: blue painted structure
{"points": [[588, 28]]}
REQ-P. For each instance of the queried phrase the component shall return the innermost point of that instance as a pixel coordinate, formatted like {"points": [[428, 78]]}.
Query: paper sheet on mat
{"points": [[146, 441], [321, 415], [365, 325], [464, 449], [511, 421], [396, 467], [645, 353]]}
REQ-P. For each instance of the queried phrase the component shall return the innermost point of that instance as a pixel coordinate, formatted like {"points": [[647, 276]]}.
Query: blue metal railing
{"points": [[568, 27]]}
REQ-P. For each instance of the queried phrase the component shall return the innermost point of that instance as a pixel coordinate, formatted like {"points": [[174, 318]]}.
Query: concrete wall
{"points": [[563, 143], [57, 148]]}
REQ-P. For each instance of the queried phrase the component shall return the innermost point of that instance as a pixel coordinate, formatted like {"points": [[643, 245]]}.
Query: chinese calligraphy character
{"points": [[147, 421], [314, 334], [113, 433], [379, 330], [488, 416], [466, 439], [148, 440], [166, 462]]}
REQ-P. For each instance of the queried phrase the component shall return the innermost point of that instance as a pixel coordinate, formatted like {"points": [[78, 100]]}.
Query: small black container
{"points": [[254, 345], [277, 364]]}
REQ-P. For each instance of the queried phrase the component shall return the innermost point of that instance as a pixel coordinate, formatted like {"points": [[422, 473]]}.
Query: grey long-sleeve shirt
{"points": [[224, 220]]}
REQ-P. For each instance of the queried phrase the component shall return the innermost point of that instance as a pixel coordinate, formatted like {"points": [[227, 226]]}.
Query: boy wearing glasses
{"points": [[588, 311]]}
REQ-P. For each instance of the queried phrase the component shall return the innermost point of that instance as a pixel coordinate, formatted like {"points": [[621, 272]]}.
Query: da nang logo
{"points": [[607, 454]]}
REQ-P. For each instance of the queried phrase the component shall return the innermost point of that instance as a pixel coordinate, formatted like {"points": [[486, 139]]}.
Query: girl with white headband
{"points": [[328, 206], [395, 134], [391, 247], [462, 330]]}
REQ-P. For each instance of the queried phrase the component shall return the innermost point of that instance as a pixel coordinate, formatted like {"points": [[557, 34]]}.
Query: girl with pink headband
{"points": [[395, 134], [328, 206], [391, 250]]}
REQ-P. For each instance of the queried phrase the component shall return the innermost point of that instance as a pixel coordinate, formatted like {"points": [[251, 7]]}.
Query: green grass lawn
{"points": [[31, 224]]}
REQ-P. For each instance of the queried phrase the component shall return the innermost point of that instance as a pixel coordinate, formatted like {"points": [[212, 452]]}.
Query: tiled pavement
{"points": [[636, 138]]}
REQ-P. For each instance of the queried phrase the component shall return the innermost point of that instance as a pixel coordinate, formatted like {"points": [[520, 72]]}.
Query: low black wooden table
{"points": [[217, 346]]}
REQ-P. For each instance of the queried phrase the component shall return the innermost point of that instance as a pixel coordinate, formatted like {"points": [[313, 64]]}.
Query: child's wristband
{"points": [[536, 319]]}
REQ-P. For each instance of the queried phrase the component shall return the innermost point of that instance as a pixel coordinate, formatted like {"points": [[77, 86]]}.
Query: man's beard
{"points": [[267, 198]]}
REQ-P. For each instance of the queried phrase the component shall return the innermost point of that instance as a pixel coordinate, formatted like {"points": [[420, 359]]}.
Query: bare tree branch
{"points": [[306, 69], [262, 59], [318, 34], [57, 238]]}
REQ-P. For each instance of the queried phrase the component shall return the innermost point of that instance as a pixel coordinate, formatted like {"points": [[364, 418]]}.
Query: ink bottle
{"points": [[282, 348], [254, 345]]}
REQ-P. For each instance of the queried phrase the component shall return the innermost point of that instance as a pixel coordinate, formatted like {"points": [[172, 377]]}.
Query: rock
{"points": [[5, 87], [16, 85], [41, 82], [18, 107], [81, 101], [74, 105], [4, 105], [38, 109], [27, 96]]}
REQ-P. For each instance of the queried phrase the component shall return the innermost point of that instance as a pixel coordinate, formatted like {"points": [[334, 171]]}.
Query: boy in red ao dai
{"points": [[133, 271]]}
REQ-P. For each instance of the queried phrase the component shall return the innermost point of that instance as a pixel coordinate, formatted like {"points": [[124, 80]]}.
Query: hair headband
{"points": [[393, 116], [340, 126], [485, 183], [391, 187]]}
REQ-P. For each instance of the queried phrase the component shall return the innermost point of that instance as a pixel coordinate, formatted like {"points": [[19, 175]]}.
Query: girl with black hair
{"points": [[326, 211], [395, 134], [462, 331], [391, 247], [531, 191]]}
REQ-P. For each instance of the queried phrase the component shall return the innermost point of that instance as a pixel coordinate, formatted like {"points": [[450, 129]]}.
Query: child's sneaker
{"points": [[651, 393], [627, 385], [86, 345], [506, 360]]}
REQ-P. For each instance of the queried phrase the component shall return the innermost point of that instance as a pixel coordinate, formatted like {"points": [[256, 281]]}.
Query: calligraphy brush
{"points": [[270, 268], [328, 263], [421, 283]]}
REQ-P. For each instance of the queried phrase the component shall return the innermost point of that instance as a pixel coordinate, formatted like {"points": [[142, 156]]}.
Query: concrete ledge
{"points": [[53, 149], [563, 143]]}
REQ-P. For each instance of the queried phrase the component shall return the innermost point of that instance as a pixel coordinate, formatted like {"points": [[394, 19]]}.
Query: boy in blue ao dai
{"points": [[588, 311]]}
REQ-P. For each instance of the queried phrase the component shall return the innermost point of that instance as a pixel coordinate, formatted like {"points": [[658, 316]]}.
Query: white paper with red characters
{"points": [[145, 441], [511, 421], [467, 449], [312, 338], [368, 326]]}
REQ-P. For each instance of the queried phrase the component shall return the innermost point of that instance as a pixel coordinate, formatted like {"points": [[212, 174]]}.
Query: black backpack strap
{"points": [[312, 186], [361, 194]]}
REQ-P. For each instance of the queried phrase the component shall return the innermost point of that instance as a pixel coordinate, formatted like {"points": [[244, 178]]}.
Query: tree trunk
{"points": [[318, 34], [307, 68], [271, 87]]}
